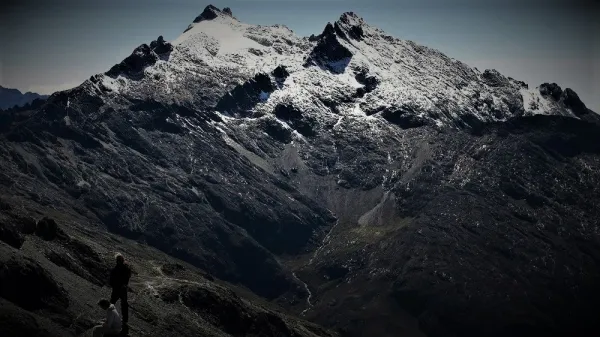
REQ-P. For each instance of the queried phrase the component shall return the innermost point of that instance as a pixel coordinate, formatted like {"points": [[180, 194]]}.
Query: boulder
{"points": [[281, 72], [47, 229]]}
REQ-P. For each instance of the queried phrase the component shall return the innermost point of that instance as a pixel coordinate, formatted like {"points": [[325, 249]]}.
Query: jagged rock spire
{"points": [[329, 50], [352, 25], [211, 12]]}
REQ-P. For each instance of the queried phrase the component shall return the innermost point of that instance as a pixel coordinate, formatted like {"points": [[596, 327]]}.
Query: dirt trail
{"points": [[324, 243]]}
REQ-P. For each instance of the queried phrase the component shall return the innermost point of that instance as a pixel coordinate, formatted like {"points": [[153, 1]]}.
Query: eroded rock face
{"points": [[493, 78], [210, 12], [405, 117], [351, 26], [244, 97], [573, 101], [329, 52], [160, 46], [305, 125], [141, 58], [551, 89]]}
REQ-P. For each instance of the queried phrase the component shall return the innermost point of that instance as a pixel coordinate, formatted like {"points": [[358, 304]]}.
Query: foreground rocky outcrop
{"points": [[50, 288], [370, 184]]}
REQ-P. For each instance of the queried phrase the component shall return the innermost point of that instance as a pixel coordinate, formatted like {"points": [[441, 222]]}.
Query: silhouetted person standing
{"points": [[119, 279]]}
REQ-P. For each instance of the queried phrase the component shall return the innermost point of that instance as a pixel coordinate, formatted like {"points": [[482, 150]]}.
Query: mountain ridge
{"points": [[484, 96], [10, 98]]}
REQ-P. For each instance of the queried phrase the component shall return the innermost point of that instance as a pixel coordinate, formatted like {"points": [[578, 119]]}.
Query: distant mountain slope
{"points": [[11, 97]]}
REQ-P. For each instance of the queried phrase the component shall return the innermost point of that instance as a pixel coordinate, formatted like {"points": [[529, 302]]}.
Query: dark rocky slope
{"points": [[143, 172], [492, 234], [50, 286]]}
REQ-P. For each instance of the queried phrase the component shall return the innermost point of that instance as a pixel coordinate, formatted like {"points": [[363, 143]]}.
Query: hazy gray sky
{"points": [[51, 45]]}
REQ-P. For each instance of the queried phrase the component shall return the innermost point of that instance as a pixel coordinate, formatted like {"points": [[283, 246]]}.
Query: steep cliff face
{"points": [[366, 182]]}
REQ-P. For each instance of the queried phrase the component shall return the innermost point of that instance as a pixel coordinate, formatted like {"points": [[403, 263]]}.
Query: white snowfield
{"points": [[213, 56]]}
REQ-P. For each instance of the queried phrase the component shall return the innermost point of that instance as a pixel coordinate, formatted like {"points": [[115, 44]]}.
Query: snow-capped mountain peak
{"points": [[351, 68]]}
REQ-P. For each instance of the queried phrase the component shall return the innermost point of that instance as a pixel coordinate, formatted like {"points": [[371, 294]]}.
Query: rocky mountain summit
{"points": [[368, 184]]}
